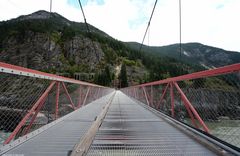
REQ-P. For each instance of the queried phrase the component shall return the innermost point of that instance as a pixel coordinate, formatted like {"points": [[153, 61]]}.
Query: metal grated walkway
{"points": [[128, 129]]}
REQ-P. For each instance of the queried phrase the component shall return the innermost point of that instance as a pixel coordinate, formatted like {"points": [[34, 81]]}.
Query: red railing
{"points": [[30, 99], [207, 100]]}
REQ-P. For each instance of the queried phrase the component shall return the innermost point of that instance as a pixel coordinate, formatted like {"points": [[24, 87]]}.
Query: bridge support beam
{"points": [[162, 97], [26, 130], [85, 99], [79, 98], [98, 91], [68, 96], [146, 97], [172, 99], [152, 97], [57, 99], [187, 102]]}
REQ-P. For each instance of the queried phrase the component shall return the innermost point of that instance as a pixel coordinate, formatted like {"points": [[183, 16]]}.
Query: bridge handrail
{"points": [[17, 70], [202, 74]]}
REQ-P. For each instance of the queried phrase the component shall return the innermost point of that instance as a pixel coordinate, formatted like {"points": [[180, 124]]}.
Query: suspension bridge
{"points": [[46, 114]]}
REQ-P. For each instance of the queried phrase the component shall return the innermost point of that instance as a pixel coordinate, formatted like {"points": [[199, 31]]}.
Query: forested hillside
{"points": [[51, 43]]}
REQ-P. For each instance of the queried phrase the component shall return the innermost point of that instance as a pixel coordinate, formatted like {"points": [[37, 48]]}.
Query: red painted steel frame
{"points": [[162, 97], [202, 74], [190, 114], [172, 99], [187, 102], [144, 91], [152, 96], [85, 99], [34, 116], [61, 78], [99, 89], [96, 93], [135, 94], [22, 122], [57, 99], [80, 98], [68, 96]]}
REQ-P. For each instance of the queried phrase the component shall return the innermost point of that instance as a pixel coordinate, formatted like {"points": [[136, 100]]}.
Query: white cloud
{"points": [[214, 22]]}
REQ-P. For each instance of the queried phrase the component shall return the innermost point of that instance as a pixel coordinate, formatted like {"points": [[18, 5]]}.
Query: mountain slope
{"points": [[206, 56], [52, 43]]}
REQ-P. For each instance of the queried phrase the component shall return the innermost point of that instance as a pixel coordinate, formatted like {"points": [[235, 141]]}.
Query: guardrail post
{"points": [[144, 91], [135, 94], [98, 93], [86, 96], [26, 130], [68, 96], [162, 96], [172, 99], [187, 102], [190, 114], [57, 99], [80, 97], [132, 92], [152, 96]]}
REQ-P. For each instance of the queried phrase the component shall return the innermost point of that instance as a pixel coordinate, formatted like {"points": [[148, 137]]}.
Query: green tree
{"points": [[108, 75], [103, 77], [123, 77]]}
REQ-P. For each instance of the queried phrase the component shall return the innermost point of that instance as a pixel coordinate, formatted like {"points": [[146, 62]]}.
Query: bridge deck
{"points": [[128, 129]]}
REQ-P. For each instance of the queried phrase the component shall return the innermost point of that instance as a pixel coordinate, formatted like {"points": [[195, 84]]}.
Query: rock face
{"points": [[30, 50], [44, 41], [83, 51], [35, 50]]}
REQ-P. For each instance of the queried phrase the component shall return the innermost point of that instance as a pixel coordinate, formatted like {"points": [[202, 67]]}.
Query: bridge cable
{"points": [[88, 29], [180, 29], [149, 22], [85, 21], [180, 37], [49, 48]]}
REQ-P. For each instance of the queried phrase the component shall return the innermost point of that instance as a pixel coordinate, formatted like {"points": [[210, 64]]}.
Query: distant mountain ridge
{"points": [[206, 56]]}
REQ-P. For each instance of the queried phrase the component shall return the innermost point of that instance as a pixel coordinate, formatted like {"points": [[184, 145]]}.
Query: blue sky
{"points": [[84, 2], [211, 22]]}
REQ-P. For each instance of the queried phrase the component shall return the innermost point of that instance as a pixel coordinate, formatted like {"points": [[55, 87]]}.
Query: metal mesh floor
{"points": [[130, 129]]}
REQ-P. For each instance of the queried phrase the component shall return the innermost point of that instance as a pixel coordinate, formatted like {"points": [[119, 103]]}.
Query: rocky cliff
{"points": [[51, 43]]}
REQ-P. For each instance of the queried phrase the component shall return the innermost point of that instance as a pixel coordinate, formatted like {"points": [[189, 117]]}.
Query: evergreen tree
{"points": [[108, 75], [123, 77], [103, 77]]}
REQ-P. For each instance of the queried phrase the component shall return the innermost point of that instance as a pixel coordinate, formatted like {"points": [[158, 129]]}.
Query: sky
{"points": [[211, 22]]}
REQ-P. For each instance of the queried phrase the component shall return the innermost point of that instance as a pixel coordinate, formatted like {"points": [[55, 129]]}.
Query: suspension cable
{"points": [[85, 21], [49, 48], [180, 29], [149, 22], [88, 29], [50, 6]]}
